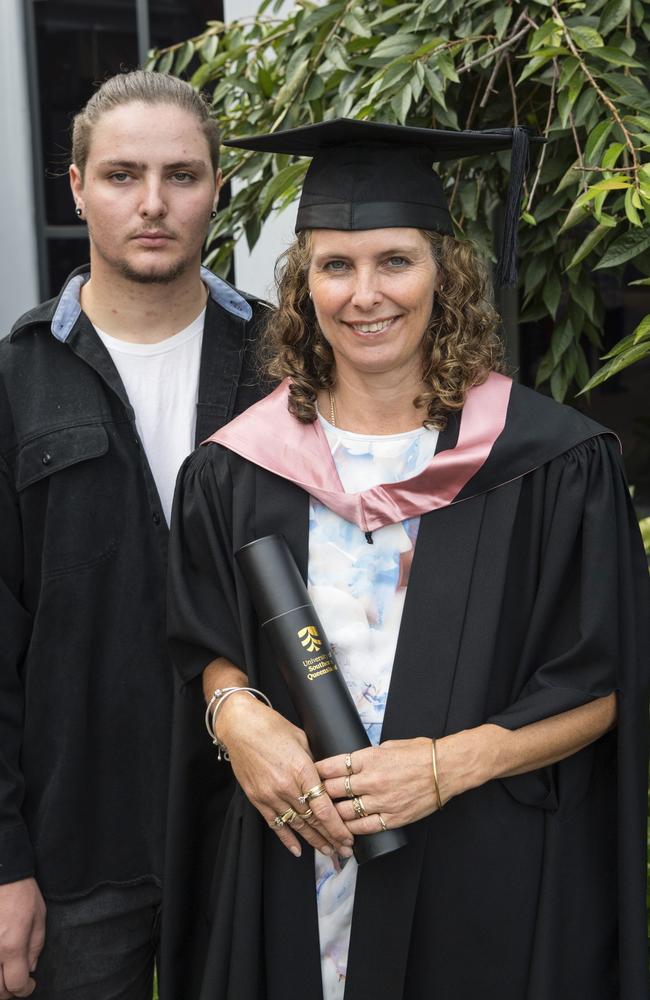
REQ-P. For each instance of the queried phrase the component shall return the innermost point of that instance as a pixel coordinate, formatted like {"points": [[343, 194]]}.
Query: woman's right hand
{"points": [[271, 760]]}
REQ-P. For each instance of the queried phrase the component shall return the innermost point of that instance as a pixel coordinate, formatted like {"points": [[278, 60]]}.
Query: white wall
{"points": [[18, 259], [254, 271]]}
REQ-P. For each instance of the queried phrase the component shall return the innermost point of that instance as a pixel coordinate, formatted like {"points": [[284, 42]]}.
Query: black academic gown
{"points": [[526, 599]]}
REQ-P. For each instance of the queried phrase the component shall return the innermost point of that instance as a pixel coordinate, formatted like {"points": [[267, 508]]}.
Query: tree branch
{"points": [[549, 118], [604, 98], [509, 42], [499, 62], [581, 162], [513, 93]]}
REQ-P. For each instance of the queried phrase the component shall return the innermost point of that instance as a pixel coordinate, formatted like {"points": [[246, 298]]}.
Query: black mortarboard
{"points": [[368, 175]]}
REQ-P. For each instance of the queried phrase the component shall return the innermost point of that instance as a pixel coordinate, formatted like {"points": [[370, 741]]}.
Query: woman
{"points": [[483, 641]]}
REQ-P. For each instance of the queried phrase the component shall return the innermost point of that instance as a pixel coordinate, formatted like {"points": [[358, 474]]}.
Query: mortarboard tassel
{"points": [[507, 266]]}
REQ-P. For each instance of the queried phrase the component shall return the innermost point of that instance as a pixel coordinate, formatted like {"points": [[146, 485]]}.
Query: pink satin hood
{"points": [[269, 436]]}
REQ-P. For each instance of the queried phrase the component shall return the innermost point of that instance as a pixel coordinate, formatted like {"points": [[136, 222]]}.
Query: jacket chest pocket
{"points": [[69, 497]]}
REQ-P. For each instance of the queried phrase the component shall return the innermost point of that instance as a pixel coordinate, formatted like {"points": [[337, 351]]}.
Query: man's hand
{"points": [[22, 935]]}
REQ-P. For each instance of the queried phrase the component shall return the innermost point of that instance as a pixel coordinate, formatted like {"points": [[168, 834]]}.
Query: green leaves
{"points": [[280, 183], [617, 364], [625, 248], [589, 243], [613, 14], [576, 72], [596, 141], [586, 38], [393, 46]]}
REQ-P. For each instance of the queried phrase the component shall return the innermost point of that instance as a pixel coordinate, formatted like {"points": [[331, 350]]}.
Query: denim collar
{"points": [[69, 308]]}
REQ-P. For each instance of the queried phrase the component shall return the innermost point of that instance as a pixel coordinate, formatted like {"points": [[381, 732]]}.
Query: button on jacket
{"points": [[85, 677]]}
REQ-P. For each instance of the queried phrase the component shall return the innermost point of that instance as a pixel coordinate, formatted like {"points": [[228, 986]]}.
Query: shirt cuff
{"points": [[16, 854]]}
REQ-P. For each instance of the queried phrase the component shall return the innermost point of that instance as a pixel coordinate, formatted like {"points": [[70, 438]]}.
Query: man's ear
{"points": [[218, 181], [76, 184]]}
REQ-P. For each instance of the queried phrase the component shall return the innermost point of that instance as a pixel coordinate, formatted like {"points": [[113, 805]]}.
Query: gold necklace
{"points": [[332, 408]]}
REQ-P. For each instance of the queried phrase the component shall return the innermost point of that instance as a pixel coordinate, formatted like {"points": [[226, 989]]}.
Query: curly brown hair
{"points": [[460, 347]]}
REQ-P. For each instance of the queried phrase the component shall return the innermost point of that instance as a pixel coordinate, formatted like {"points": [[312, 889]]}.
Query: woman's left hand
{"points": [[394, 779]]}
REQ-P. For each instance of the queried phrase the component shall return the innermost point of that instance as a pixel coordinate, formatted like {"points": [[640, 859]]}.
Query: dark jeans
{"points": [[102, 946]]}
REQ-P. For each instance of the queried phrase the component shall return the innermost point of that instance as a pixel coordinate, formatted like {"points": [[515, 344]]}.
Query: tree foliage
{"points": [[576, 72]]}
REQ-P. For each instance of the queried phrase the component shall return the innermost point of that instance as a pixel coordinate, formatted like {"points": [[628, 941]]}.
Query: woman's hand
{"points": [[271, 761], [394, 779]]}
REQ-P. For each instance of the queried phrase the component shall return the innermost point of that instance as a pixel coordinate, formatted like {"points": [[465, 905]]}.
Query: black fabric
{"points": [[85, 677], [361, 171], [374, 215], [438, 144], [523, 602]]}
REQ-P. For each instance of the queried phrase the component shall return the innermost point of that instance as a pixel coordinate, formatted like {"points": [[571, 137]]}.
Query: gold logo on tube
{"points": [[309, 638]]}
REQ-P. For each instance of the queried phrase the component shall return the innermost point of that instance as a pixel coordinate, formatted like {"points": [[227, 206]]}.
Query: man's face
{"points": [[147, 191]]}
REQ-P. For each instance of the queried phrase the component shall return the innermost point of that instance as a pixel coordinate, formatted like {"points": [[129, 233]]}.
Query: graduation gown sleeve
{"points": [[580, 640], [586, 636], [203, 616]]}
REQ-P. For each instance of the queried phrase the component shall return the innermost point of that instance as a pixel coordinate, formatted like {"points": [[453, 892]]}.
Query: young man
{"points": [[103, 392]]}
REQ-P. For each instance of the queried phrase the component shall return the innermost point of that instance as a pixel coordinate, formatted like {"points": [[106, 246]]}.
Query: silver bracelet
{"points": [[212, 710]]}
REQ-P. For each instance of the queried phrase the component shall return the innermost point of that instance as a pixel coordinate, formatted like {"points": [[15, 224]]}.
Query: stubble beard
{"points": [[139, 277]]}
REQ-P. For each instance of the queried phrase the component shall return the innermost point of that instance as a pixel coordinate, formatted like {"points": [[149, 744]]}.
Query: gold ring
{"points": [[359, 807], [348, 763], [381, 820], [313, 793], [287, 817], [305, 815], [347, 784]]}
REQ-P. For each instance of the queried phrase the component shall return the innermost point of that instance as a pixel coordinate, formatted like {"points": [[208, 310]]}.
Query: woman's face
{"points": [[373, 292]]}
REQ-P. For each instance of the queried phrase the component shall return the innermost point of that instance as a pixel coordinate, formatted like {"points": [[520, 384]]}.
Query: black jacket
{"points": [[85, 678]]}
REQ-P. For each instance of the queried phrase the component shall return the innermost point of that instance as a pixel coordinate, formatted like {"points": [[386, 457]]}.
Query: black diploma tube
{"points": [[321, 696]]}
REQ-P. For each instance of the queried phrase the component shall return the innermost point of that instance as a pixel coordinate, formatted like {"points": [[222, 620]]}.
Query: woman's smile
{"points": [[365, 327]]}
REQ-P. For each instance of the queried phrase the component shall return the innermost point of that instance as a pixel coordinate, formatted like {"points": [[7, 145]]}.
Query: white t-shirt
{"points": [[358, 591], [162, 383]]}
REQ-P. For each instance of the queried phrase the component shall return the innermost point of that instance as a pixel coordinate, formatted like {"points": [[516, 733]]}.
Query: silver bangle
{"points": [[212, 710]]}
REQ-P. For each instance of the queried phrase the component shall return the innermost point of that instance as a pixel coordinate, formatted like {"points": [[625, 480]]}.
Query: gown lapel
{"points": [[418, 705]]}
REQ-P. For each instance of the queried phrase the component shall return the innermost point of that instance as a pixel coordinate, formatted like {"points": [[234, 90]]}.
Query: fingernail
{"points": [[326, 850], [349, 842], [345, 852], [295, 851]]}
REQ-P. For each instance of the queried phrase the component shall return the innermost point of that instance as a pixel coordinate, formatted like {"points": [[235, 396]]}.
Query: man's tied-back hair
{"points": [[144, 87]]}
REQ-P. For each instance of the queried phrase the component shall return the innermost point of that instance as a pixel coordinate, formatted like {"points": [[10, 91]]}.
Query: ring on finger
{"points": [[287, 817], [348, 763], [305, 815], [313, 793], [381, 820], [347, 784], [359, 807]]}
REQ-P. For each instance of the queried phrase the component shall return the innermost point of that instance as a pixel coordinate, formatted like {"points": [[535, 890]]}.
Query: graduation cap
{"points": [[369, 175]]}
